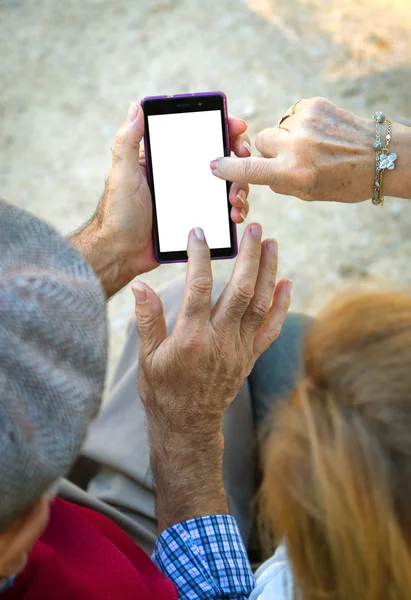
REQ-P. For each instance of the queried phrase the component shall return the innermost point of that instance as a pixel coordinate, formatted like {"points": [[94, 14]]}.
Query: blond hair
{"points": [[337, 484]]}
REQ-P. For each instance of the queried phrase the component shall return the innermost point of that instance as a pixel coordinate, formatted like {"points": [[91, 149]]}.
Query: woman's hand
{"points": [[321, 152], [190, 378]]}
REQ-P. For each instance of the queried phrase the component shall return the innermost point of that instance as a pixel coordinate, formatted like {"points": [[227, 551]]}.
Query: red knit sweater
{"points": [[84, 556]]}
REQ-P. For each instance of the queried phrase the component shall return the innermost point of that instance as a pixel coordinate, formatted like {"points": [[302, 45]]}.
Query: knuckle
{"points": [[316, 106], [120, 138], [259, 310], [282, 313], [201, 284], [302, 139], [124, 139], [252, 254], [261, 139], [200, 288], [243, 292], [253, 170], [145, 322], [284, 310], [303, 172], [135, 145], [275, 332], [143, 318]]}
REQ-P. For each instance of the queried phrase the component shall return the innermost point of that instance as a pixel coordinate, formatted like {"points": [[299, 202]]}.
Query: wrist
{"points": [[397, 182], [188, 475], [180, 424], [111, 262], [191, 434], [366, 160]]}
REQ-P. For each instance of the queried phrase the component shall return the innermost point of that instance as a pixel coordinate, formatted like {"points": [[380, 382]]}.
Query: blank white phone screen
{"points": [[187, 194]]}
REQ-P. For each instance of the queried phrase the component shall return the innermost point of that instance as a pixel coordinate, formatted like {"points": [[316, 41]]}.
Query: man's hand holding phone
{"points": [[188, 379], [117, 241]]}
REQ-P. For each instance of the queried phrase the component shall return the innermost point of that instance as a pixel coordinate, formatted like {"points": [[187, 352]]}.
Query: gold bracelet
{"points": [[385, 160]]}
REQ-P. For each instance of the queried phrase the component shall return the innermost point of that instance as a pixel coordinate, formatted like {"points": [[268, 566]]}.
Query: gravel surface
{"points": [[70, 69]]}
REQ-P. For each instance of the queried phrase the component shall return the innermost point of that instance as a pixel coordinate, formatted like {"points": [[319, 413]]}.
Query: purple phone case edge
{"points": [[199, 95]]}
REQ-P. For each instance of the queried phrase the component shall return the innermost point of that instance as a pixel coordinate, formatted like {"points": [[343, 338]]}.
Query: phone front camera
{"points": [[200, 104]]}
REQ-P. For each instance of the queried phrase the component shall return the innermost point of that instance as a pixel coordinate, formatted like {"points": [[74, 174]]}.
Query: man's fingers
{"points": [[241, 145], [269, 141], [128, 138], [240, 140], [142, 158], [239, 200], [236, 126], [239, 194], [246, 170], [264, 289], [196, 304], [236, 297], [271, 328], [150, 317]]}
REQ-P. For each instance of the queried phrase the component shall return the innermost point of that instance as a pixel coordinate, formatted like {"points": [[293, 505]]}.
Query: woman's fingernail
{"points": [[132, 112], [256, 231], [289, 285], [272, 247], [199, 233], [139, 292], [247, 146], [214, 165], [242, 214], [242, 196]]}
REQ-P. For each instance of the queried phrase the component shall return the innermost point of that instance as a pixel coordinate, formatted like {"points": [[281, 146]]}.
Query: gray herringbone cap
{"points": [[52, 357]]}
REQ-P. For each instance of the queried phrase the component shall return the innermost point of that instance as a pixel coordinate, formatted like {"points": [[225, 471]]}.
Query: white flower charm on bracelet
{"points": [[387, 161]]}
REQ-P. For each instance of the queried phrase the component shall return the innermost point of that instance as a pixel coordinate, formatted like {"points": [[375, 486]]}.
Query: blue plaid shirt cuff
{"points": [[5, 584], [205, 558]]}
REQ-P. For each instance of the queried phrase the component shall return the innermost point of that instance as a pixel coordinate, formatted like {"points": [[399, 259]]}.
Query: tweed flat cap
{"points": [[52, 357]]}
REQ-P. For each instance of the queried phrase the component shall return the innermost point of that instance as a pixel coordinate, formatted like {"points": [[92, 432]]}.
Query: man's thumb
{"points": [[129, 136], [150, 317], [254, 169]]}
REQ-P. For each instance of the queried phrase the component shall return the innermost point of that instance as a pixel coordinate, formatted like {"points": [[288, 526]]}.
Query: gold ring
{"points": [[290, 113]]}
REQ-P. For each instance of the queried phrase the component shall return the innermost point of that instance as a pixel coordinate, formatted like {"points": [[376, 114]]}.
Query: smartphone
{"points": [[183, 134]]}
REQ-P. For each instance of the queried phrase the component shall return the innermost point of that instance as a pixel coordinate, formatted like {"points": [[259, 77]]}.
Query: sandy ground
{"points": [[69, 70]]}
